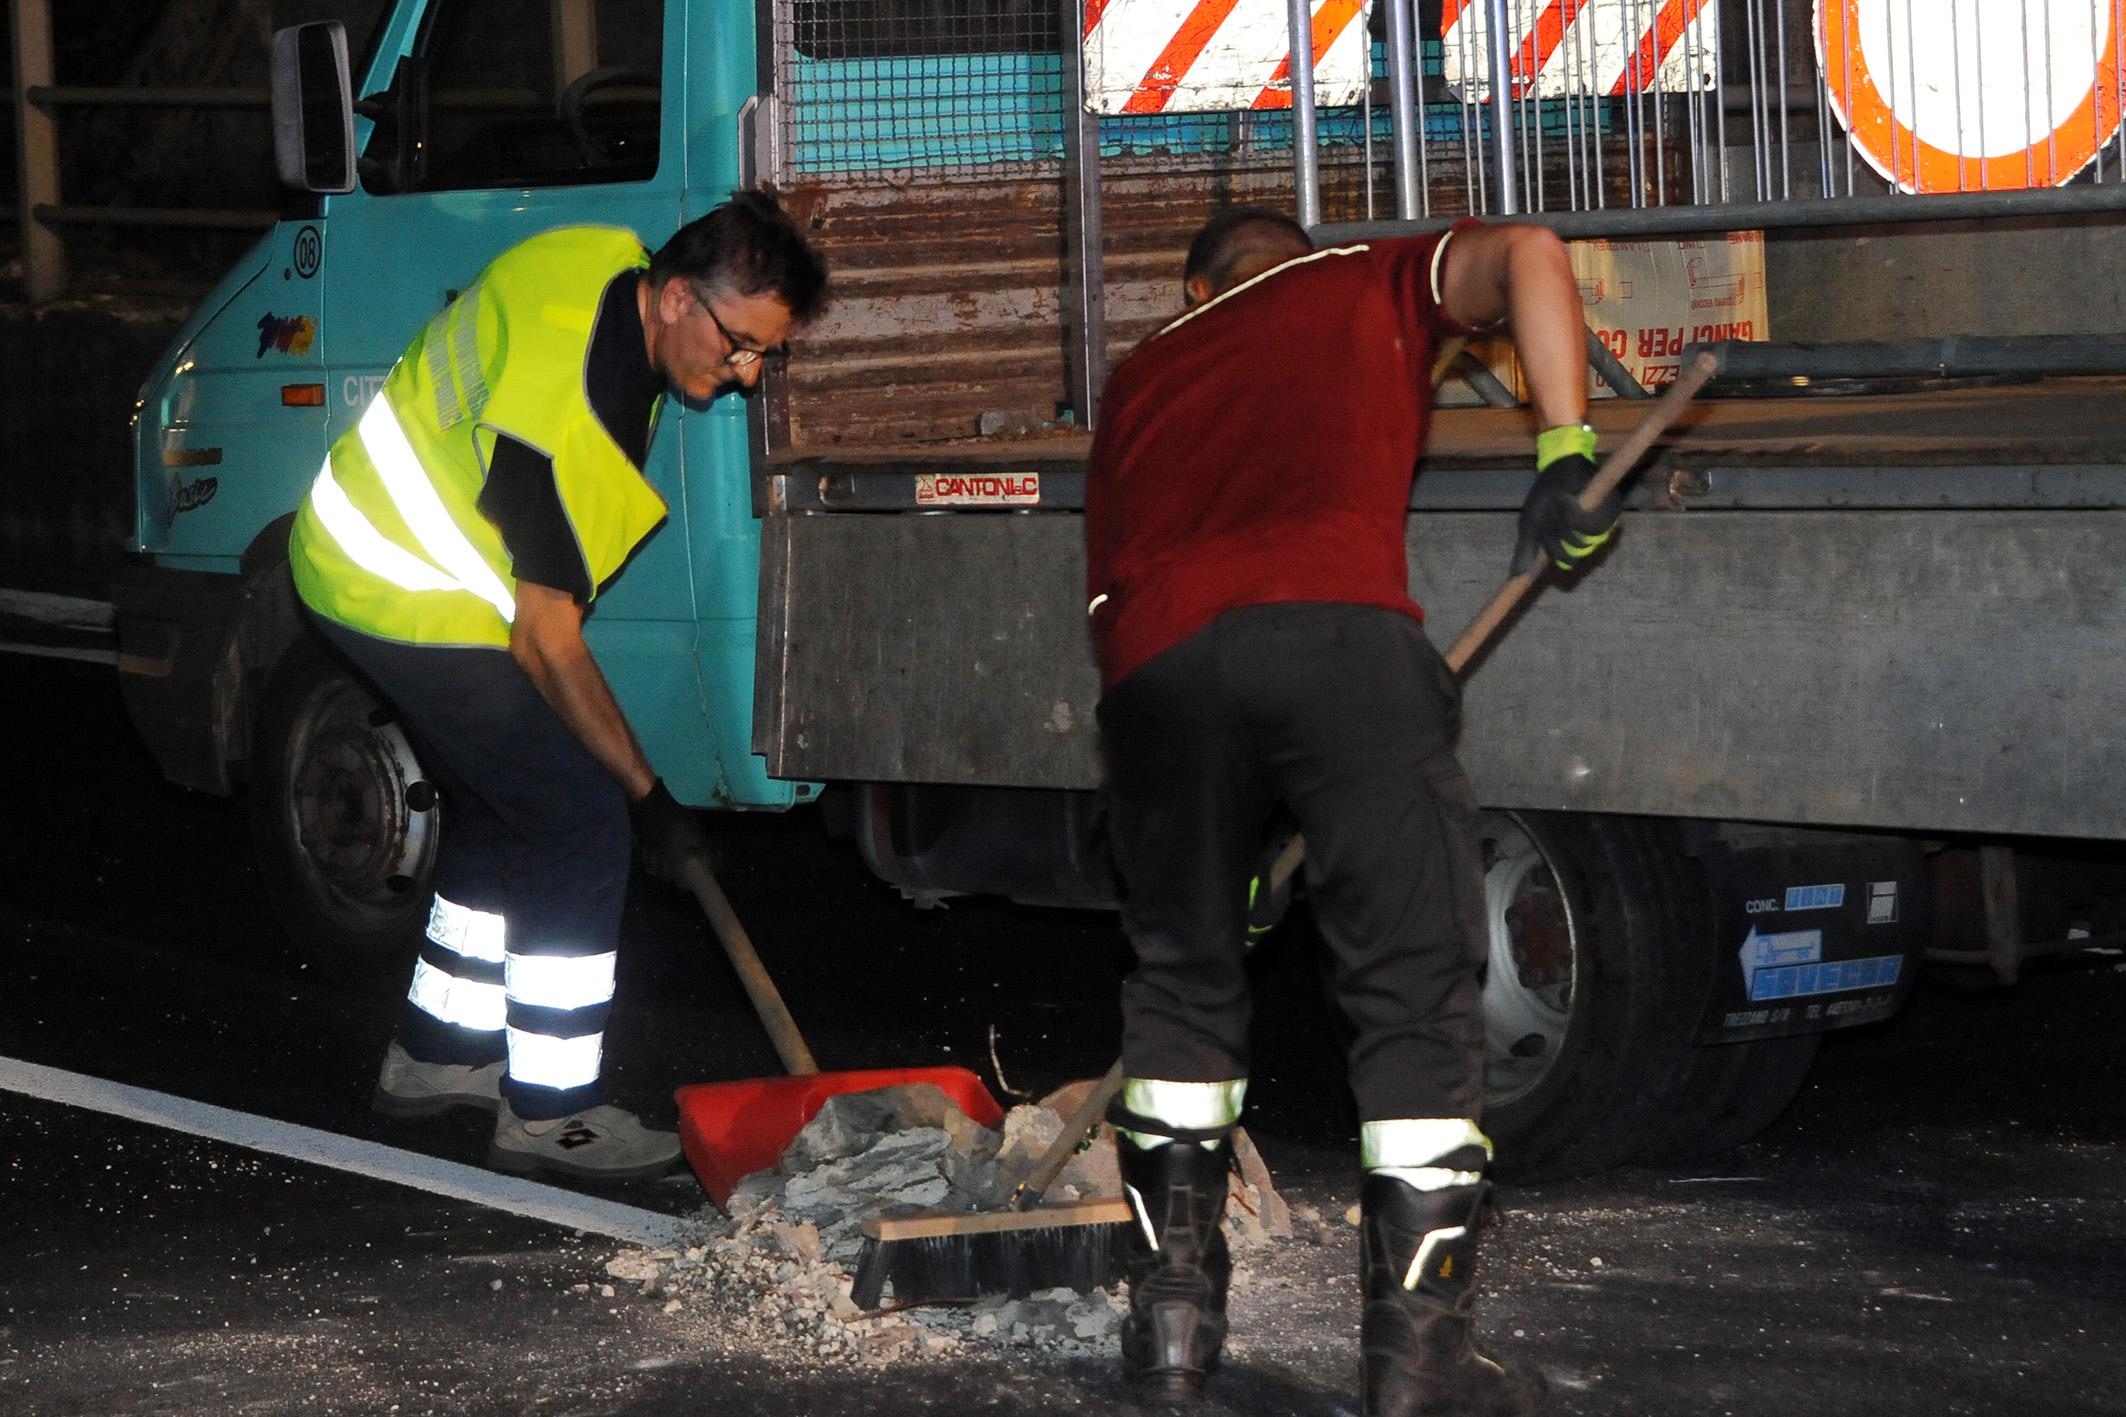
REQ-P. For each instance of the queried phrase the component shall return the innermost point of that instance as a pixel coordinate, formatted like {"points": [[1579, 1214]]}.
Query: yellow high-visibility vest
{"points": [[390, 541]]}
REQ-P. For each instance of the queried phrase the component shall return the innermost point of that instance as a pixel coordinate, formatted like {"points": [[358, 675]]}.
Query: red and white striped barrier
{"points": [[1216, 56], [1974, 95], [1584, 48]]}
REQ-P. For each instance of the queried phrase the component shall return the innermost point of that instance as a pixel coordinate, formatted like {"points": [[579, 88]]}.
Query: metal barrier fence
{"points": [[1632, 115], [1735, 101]]}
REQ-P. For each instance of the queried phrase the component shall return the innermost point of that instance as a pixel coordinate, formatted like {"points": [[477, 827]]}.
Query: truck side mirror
{"points": [[313, 107]]}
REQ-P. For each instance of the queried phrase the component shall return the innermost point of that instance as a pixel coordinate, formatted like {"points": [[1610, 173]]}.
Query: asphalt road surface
{"points": [[1936, 1227]]}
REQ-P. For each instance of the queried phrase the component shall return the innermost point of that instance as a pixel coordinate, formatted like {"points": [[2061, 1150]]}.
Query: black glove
{"points": [[1268, 902], [667, 837], [1553, 524]]}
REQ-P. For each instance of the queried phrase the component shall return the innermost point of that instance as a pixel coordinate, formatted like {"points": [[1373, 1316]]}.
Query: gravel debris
{"points": [[776, 1269]]}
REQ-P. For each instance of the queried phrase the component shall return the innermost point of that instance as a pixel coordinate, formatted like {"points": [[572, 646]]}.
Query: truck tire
{"points": [[343, 823], [1591, 993], [1735, 1091]]}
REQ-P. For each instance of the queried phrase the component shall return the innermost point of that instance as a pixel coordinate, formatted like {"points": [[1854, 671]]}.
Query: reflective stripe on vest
{"points": [[414, 498], [367, 547], [425, 515]]}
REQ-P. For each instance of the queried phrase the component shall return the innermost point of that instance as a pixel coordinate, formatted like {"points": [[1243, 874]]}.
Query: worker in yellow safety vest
{"points": [[450, 548]]}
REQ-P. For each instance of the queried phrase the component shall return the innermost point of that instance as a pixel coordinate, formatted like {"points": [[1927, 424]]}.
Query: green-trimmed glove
{"points": [[1553, 524], [1267, 904]]}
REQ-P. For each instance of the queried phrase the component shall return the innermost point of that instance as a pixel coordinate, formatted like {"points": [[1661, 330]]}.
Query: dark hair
{"points": [[747, 246], [1232, 238]]}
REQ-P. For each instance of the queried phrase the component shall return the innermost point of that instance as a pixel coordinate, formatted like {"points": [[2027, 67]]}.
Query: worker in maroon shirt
{"points": [[1260, 656]]}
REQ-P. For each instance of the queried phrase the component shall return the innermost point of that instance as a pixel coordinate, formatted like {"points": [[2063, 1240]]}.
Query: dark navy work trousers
{"points": [[1344, 716], [523, 935]]}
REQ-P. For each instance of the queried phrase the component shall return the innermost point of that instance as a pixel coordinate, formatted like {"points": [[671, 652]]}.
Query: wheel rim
{"points": [[362, 813], [1533, 970]]}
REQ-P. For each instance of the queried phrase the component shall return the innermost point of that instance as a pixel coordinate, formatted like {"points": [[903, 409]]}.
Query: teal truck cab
{"points": [[1711, 770]]}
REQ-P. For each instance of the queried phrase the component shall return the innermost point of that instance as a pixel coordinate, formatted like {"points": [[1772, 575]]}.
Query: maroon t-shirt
{"points": [[1260, 449]]}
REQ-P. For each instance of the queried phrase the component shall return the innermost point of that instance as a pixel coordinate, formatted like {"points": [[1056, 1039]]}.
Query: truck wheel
{"points": [[1730, 1091], [1735, 1091], [343, 822], [1591, 992]]}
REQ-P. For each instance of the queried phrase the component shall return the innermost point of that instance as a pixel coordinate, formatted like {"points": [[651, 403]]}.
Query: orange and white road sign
{"points": [[1217, 56], [1584, 48], [1974, 95]]}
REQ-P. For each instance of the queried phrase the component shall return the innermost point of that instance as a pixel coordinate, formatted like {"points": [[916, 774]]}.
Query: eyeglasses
{"points": [[742, 355]]}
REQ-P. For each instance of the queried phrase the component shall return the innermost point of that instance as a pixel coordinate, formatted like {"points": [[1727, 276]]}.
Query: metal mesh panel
{"points": [[889, 90], [941, 88], [1729, 103]]}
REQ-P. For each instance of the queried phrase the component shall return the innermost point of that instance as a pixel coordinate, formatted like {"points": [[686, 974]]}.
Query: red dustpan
{"points": [[731, 1129]]}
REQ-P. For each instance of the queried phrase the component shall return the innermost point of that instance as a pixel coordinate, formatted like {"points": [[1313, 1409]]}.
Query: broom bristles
{"points": [[1016, 1262]]}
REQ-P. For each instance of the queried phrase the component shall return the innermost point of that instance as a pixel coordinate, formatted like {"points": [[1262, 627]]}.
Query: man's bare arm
{"points": [[1521, 274], [546, 638]]}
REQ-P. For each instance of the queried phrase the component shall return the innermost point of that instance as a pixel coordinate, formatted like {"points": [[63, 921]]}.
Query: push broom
{"points": [[942, 1256]]}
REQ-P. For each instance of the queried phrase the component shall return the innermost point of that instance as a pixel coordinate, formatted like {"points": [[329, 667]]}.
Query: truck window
{"points": [[541, 93]]}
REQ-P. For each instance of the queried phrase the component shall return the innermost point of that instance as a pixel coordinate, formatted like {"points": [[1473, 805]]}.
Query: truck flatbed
{"points": [[1878, 611], [2032, 443]]}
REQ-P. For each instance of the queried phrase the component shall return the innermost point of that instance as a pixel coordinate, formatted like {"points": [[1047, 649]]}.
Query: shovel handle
{"points": [[760, 988], [1666, 409], [1615, 467]]}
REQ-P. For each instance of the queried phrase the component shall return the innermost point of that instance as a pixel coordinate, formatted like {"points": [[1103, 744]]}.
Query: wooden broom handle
{"points": [[1076, 1128], [1615, 467], [760, 988]]}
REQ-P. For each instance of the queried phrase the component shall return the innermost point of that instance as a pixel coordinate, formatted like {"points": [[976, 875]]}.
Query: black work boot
{"points": [[1419, 1258], [1177, 1266]]}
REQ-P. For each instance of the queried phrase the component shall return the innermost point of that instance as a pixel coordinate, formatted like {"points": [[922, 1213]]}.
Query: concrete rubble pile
{"points": [[779, 1263]]}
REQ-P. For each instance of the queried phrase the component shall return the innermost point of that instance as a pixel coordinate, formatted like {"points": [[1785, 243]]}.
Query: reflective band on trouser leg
{"points": [[462, 1003], [1411, 1148], [475, 934], [558, 1063], [456, 984], [1191, 1106], [1433, 1155], [560, 981], [566, 984]]}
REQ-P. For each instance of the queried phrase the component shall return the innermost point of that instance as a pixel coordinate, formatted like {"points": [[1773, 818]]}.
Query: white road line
{"points": [[361, 1158], [90, 656], [57, 609]]}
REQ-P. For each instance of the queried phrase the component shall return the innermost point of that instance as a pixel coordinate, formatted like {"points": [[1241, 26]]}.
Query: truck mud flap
{"points": [[1814, 931], [178, 669]]}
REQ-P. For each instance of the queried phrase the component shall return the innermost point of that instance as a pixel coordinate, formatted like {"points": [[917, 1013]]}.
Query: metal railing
{"points": [[1603, 117], [1647, 117], [37, 100]]}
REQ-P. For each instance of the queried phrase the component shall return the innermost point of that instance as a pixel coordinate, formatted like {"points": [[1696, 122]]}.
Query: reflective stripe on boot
{"points": [[1418, 1251]]}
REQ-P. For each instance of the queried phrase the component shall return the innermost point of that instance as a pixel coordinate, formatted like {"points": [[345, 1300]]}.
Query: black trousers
{"points": [[536, 833], [1344, 716]]}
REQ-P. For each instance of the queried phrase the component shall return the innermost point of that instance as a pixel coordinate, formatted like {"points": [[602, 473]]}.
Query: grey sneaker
{"points": [[407, 1088], [603, 1143]]}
